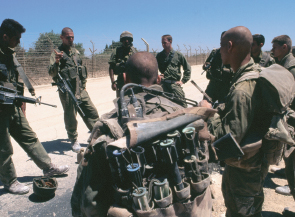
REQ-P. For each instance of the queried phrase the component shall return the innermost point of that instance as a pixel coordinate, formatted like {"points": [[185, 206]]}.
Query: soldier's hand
{"points": [[114, 86], [58, 56], [205, 103], [32, 91], [179, 83]]}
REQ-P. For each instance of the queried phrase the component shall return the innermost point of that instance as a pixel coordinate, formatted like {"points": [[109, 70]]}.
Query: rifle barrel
{"points": [[205, 94]]}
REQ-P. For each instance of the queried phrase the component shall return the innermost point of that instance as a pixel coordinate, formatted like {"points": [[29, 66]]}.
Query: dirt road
{"points": [[48, 124]]}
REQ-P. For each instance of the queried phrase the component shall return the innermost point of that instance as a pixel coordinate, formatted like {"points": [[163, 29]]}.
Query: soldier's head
{"points": [[235, 47], [258, 42], [10, 32], [126, 38], [281, 46], [142, 68], [167, 42], [67, 37]]}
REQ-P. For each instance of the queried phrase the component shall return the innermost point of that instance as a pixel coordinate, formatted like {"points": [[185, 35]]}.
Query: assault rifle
{"points": [[210, 58], [209, 99], [65, 87], [10, 96]]}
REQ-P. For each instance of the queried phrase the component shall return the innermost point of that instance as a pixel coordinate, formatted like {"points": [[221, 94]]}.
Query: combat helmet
{"points": [[44, 187], [126, 34]]}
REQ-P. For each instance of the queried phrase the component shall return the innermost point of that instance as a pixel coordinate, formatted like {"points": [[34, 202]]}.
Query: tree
{"points": [[49, 40]]}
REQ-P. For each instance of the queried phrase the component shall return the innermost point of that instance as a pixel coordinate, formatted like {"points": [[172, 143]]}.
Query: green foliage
{"points": [[50, 40], [109, 48]]}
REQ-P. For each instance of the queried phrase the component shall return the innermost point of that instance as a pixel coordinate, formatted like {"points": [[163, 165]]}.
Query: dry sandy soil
{"points": [[48, 123]]}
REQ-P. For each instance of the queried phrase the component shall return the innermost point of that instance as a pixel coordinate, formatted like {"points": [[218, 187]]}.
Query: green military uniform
{"points": [[14, 123], [92, 194], [289, 63], [242, 187], [169, 66], [117, 62], [68, 70], [219, 76], [264, 59]]}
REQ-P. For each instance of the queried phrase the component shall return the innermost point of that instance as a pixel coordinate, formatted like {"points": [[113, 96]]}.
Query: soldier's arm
{"points": [[237, 118], [112, 63], [54, 63], [186, 69], [161, 68]]}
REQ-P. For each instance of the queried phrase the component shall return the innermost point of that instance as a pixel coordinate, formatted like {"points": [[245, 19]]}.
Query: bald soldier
{"points": [[67, 61], [242, 181], [92, 194]]}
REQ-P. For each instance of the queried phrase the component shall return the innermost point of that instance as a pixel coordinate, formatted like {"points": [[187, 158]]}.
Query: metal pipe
{"points": [[147, 45]]}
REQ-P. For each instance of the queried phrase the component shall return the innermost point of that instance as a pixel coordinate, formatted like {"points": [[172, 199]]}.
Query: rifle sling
{"points": [[77, 92], [22, 74]]}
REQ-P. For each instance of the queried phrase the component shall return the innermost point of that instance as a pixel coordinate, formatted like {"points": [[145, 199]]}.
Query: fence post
{"points": [[92, 52]]}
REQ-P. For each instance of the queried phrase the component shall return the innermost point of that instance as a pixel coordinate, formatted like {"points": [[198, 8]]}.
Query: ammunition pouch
{"points": [[119, 68]]}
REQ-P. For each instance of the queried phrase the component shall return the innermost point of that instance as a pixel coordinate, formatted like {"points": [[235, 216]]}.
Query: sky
{"points": [[193, 23]]}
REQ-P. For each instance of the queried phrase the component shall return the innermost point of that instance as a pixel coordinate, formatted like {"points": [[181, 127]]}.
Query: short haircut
{"points": [[11, 28], [66, 30], [169, 37], [142, 68], [283, 39], [259, 39]]}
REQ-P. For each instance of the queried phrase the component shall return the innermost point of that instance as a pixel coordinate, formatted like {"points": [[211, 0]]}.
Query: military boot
{"points": [[55, 170], [284, 190], [75, 146], [17, 188]]}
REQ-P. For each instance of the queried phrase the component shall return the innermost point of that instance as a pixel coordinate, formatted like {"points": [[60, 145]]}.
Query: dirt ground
{"points": [[48, 124]]}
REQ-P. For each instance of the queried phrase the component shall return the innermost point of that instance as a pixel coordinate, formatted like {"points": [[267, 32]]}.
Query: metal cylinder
{"points": [[161, 189], [189, 133], [134, 174], [138, 155], [140, 199], [118, 166], [176, 136]]}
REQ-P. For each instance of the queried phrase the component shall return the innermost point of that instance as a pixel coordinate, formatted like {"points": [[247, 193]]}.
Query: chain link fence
{"points": [[35, 61]]}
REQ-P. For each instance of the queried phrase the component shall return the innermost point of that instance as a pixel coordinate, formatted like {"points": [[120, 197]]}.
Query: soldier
{"points": [[262, 58], [219, 76], [169, 62], [118, 60], [67, 62], [282, 51], [12, 120], [93, 195], [242, 183]]}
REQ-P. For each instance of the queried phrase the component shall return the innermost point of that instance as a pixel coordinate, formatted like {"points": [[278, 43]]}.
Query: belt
{"points": [[168, 81]]}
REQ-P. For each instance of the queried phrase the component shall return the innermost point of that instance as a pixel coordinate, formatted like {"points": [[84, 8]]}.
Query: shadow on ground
{"points": [[268, 183], [59, 146], [271, 214]]}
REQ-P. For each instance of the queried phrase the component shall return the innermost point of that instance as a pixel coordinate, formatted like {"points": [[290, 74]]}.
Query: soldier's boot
{"points": [[284, 190], [55, 170], [75, 145], [278, 171], [289, 212], [17, 188]]}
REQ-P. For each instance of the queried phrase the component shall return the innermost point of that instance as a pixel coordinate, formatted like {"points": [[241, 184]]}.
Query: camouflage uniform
{"points": [[117, 62], [289, 63], [242, 188], [68, 70], [264, 59], [169, 66], [14, 123], [219, 76], [92, 194]]}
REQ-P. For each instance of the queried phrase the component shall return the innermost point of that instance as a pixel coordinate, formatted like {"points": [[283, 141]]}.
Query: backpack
{"points": [[277, 88]]}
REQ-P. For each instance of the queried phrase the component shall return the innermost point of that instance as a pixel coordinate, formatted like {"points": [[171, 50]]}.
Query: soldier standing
{"points": [[242, 182], [219, 76], [118, 60], [282, 51], [169, 63], [262, 58], [66, 60], [12, 120]]}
